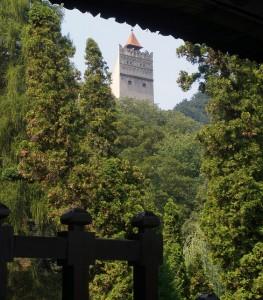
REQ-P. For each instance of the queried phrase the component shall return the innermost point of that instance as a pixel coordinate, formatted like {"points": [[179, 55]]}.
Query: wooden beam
{"points": [[40, 247]]}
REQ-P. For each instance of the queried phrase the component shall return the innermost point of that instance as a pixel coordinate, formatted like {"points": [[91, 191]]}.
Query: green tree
{"points": [[163, 144], [174, 169], [195, 108], [232, 215], [110, 187], [50, 150], [97, 103], [139, 129], [173, 279], [24, 197], [13, 105], [13, 16]]}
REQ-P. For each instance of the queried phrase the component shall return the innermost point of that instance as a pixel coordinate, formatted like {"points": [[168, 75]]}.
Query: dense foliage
{"points": [[23, 197], [195, 108], [13, 106], [50, 148], [231, 217], [163, 144]]}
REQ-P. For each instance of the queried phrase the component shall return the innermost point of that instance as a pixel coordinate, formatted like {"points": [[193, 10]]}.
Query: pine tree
{"points": [[101, 181], [232, 218], [48, 153], [111, 189], [98, 104], [23, 197]]}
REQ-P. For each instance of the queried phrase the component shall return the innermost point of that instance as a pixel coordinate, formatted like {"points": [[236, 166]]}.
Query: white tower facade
{"points": [[133, 73]]}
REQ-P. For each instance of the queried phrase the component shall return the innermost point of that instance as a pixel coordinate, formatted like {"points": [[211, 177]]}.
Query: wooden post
{"points": [[145, 271], [6, 250], [3, 280], [80, 255]]}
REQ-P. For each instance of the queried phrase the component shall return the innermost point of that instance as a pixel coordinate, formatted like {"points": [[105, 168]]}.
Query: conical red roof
{"points": [[133, 42]]}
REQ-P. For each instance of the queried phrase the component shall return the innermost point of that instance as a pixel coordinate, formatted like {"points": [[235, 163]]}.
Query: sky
{"points": [[109, 34]]}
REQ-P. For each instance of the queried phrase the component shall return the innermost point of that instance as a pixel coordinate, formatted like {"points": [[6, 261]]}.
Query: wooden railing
{"points": [[76, 250]]}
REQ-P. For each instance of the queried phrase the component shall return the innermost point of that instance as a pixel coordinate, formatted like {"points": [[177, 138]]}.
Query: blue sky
{"points": [[109, 34]]}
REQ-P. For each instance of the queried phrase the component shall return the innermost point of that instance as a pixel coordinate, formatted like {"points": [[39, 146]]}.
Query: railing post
{"points": [[6, 250], [146, 270], [80, 255]]}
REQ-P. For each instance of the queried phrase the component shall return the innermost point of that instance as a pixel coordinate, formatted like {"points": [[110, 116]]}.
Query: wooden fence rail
{"points": [[76, 250]]}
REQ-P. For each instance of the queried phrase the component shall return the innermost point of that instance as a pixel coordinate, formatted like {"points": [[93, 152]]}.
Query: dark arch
{"points": [[233, 26]]}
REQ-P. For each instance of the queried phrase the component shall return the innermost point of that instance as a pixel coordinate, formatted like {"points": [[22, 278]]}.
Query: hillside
{"points": [[195, 107]]}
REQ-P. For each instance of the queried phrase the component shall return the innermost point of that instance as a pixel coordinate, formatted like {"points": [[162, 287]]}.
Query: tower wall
{"points": [[115, 86], [133, 74]]}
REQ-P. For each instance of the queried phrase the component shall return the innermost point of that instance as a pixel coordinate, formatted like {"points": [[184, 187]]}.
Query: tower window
{"points": [[144, 84], [129, 82]]}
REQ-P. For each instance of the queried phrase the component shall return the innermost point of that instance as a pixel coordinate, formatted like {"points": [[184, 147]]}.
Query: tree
{"points": [[163, 144], [25, 197], [100, 177], [50, 150], [110, 187], [13, 105], [97, 103], [13, 16], [195, 108], [232, 214], [173, 279]]}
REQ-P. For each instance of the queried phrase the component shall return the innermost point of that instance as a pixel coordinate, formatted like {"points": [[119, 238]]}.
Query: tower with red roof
{"points": [[133, 73]]}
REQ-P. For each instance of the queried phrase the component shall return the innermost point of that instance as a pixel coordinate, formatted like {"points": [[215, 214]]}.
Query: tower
{"points": [[133, 73]]}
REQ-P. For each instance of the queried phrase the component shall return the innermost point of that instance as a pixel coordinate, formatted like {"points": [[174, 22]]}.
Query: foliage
{"points": [[25, 200], [173, 279], [13, 106], [13, 16], [249, 277], [204, 275], [112, 190], [97, 103], [112, 282], [232, 214], [163, 145], [29, 279], [195, 108], [49, 151]]}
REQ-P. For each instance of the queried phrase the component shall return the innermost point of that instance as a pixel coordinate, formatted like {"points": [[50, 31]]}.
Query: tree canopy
{"points": [[231, 216]]}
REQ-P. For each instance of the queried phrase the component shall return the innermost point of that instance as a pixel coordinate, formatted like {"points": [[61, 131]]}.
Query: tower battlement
{"points": [[133, 73], [136, 53]]}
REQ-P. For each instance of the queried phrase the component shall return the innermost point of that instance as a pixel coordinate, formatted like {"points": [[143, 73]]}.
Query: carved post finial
{"points": [[76, 218], [145, 220]]}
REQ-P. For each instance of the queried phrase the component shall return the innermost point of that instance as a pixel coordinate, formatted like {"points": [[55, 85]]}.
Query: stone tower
{"points": [[133, 73]]}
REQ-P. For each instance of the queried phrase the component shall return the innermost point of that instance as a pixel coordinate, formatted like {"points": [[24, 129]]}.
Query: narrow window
{"points": [[144, 84], [129, 82]]}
